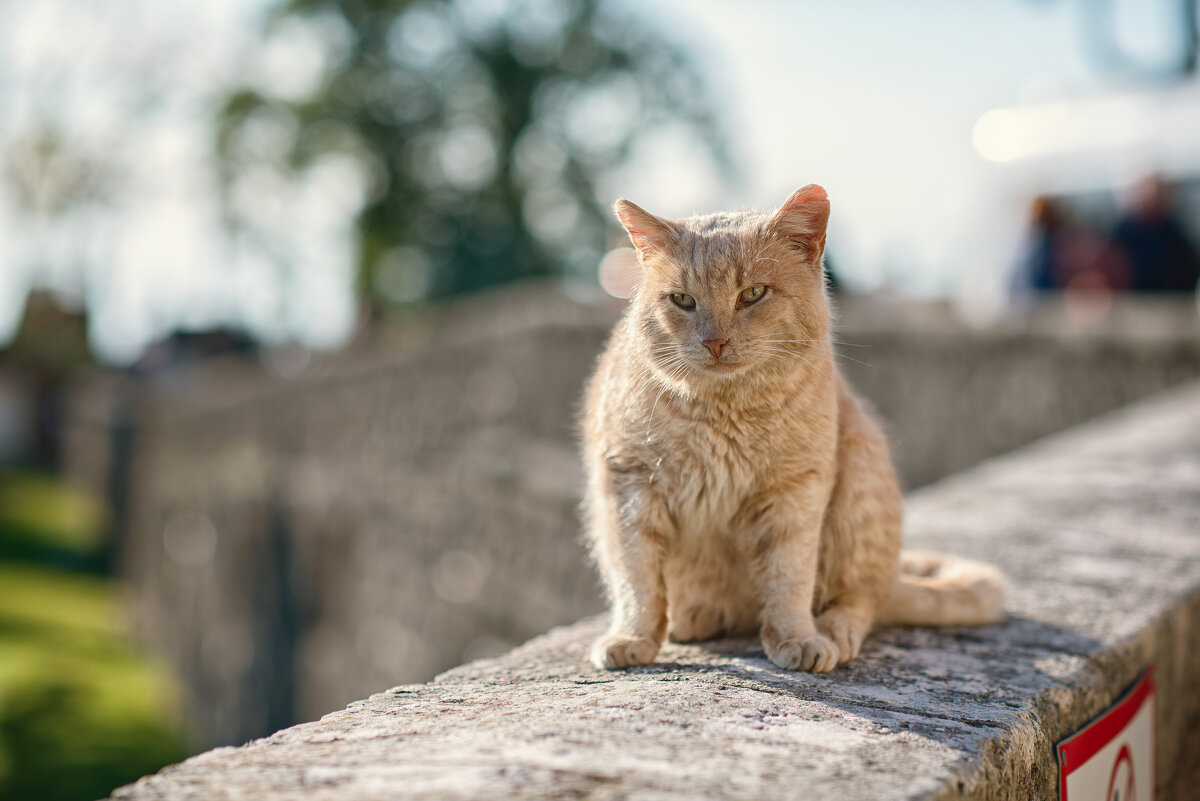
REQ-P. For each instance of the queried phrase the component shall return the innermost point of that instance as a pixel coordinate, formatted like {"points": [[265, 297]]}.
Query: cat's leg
{"points": [[860, 542], [629, 546], [633, 573], [784, 542]]}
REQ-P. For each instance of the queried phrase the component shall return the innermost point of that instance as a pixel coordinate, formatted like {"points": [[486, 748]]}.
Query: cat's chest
{"points": [[707, 476]]}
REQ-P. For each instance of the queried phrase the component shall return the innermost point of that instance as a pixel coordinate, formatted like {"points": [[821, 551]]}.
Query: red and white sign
{"points": [[1113, 757]]}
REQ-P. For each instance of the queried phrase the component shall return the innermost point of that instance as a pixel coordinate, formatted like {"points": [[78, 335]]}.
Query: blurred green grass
{"points": [[42, 519], [82, 711]]}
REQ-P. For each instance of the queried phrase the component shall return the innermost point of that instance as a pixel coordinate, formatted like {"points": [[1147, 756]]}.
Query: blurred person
{"points": [[1092, 263], [1048, 227], [1154, 243], [1064, 254]]}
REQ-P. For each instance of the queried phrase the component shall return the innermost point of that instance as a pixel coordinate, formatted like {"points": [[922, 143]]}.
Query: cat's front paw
{"points": [[815, 653], [614, 651]]}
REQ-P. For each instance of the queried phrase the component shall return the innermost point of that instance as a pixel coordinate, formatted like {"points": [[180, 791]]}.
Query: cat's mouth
{"points": [[721, 366]]}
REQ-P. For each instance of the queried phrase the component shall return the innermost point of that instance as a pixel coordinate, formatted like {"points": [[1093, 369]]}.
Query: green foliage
{"points": [[81, 711], [483, 130], [42, 519]]}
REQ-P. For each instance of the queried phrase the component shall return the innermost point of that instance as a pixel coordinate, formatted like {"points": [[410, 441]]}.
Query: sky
{"points": [[879, 102], [153, 257]]}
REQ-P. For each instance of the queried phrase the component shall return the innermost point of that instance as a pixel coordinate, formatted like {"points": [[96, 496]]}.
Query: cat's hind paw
{"points": [[613, 651], [815, 653], [846, 633], [697, 623]]}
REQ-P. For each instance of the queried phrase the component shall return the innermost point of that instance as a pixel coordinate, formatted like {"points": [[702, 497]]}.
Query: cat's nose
{"points": [[714, 346]]}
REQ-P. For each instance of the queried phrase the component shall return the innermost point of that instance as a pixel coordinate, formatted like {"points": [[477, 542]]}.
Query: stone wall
{"points": [[410, 503], [1097, 532], [954, 394]]}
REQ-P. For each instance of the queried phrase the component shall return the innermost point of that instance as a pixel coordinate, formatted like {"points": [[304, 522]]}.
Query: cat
{"points": [[735, 484]]}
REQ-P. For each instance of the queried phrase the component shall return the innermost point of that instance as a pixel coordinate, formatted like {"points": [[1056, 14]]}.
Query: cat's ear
{"points": [[802, 220], [648, 233]]}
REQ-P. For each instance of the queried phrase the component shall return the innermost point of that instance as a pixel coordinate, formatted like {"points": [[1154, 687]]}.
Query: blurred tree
{"points": [[479, 130]]}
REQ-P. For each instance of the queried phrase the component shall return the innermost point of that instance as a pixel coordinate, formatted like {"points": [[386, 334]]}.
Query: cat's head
{"points": [[728, 295]]}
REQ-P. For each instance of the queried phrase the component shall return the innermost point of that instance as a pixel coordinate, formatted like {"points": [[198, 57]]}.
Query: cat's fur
{"points": [[735, 483]]}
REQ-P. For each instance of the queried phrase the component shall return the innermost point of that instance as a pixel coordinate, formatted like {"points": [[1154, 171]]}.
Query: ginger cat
{"points": [[735, 483]]}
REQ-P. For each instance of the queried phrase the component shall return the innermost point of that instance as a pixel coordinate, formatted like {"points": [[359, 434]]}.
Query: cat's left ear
{"points": [[648, 233], [802, 220]]}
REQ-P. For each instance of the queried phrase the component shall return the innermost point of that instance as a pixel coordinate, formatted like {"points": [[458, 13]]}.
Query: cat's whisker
{"points": [[815, 345], [812, 342], [852, 359], [816, 341], [667, 386], [785, 355]]}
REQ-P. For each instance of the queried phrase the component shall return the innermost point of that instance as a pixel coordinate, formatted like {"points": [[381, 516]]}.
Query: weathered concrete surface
{"points": [[1099, 531]]}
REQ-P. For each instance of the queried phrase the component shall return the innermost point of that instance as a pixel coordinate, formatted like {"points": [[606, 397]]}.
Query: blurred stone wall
{"points": [[953, 393], [410, 503]]}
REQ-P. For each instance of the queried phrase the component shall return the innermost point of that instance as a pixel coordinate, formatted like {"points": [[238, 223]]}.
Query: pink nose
{"points": [[714, 346]]}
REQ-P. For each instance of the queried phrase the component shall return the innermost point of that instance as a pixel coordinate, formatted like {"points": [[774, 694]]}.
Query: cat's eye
{"points": [[752, 294], [683, 300]]}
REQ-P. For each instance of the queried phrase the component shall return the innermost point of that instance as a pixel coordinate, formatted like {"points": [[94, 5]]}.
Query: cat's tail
{"points": [[938, 590]]}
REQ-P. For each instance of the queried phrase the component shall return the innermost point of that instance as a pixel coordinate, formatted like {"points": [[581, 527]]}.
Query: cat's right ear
{"points": [[648, 233]]}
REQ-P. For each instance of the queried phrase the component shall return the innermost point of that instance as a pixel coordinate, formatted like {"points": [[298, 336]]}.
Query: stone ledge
{"points": [[1098, 531]]}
